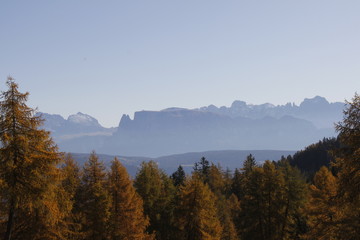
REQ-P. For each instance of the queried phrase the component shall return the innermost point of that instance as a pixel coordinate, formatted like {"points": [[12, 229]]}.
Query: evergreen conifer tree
{"points": [[158, 192], [178, 176], [236, 184], [95, 200], [249, 164], [202, 168]]}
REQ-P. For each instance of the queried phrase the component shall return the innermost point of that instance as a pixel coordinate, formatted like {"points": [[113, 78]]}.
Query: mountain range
{"points": [[241, 126]]}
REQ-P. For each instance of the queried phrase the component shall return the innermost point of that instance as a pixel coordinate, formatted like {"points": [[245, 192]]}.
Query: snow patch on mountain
{"points": [[83, 119]]}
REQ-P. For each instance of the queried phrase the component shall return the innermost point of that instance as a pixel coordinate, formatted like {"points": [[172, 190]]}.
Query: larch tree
{"points": [[273, 196], [268, 204], [127, 220], [348, 166], [95, 200], [250, 221], [217, 184], [321, 209], [228, 180], [197, 217], [71, 181], [216, 180], [293, 200], [71, 176], [28, 171]]}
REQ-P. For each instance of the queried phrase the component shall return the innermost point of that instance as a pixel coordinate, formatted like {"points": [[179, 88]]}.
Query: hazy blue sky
{"points": [[106, 58]]}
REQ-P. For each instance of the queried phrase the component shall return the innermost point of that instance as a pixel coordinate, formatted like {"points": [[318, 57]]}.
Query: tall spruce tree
{"points": [[249, 164], [236, 184], [158, 192], [28, 171], [178, 176], [127, 220], [95, 200], [202, 168]]}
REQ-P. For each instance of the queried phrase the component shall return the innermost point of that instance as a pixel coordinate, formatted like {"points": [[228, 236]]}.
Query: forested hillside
{"points": [[44, 194]]}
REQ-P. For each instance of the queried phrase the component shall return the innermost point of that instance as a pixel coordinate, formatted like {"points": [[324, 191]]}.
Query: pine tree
{"points": [[178, 176], [249, 164], [197, 214], [202, 169], [95, 200], [28, 171], [158, 192], [127, 220], [236, 184]]}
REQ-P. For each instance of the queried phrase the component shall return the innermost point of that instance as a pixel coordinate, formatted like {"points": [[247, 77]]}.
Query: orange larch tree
{"points": [[127, 220], [28, 171]]}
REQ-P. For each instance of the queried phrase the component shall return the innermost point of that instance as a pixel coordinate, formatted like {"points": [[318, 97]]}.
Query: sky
{"points": [[108, 58]]}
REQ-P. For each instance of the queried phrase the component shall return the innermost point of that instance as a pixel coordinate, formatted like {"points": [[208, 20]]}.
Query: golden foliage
{"points": [[322, 208], [28, 171], [127, 220], [197, 217]]}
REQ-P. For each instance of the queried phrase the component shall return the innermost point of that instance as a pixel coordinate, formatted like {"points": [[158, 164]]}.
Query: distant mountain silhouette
{"points": [[177, 130], [316, 110], [76, 132]]}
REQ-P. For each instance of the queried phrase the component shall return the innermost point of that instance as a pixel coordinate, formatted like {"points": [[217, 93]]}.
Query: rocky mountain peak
{"points": [[83, 119]]}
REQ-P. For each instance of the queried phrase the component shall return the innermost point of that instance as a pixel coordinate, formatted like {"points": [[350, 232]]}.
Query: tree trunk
{"points": [[10, 221]]}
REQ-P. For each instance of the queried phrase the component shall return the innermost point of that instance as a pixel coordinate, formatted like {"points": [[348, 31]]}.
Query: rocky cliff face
{"points": [[176, 130], [168, 132]]}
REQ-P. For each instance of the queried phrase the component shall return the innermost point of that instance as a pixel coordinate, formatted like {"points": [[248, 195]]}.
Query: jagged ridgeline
{"points": [[175, 130]]}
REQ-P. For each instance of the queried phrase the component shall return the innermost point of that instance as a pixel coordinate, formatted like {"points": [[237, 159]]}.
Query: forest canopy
{"points": [[45, 194]]}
